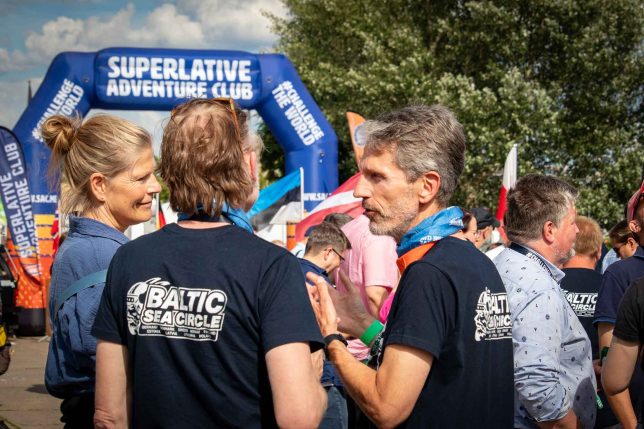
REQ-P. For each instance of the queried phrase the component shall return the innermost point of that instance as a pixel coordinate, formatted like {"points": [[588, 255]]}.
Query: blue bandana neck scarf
{"points": [[439, 225], [235, 216]]}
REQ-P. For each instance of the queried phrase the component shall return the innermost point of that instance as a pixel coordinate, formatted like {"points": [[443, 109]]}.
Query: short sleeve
{"points": [[285, 311], [610, 294], [379, 262], [429, 304], [109, 324], [630, 320]]}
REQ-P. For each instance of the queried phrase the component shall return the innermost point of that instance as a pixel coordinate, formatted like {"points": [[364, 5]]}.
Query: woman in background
{"points": [[108, 165]]}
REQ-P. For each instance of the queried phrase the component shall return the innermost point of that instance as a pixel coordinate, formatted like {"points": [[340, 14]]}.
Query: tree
{"points": [[563, 78]]}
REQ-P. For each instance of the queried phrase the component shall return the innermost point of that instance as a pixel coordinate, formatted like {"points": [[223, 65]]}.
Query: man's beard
{"points": [[562, 257], [393, 225]]}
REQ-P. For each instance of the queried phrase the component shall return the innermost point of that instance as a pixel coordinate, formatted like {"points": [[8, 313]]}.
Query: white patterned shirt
{"points": [[552, 354]]}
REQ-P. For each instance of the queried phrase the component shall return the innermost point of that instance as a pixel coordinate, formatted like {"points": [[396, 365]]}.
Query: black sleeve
{"points": [[285, 314], [426, 310], [109, 324], [630, 317]]}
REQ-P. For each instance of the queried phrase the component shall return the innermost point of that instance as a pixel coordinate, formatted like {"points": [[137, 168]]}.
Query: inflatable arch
{"points": [[157, 79]]}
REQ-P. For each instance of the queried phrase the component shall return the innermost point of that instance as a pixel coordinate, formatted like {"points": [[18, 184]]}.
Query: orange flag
{"points": [[355, 121]]}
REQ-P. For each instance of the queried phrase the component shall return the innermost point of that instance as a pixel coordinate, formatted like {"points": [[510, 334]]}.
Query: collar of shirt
{"points": [[92, 227], [315, 268], [555, 272], [639, 252]]}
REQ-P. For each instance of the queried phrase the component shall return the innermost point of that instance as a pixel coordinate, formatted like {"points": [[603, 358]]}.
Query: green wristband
{"points": [[371, 332]]}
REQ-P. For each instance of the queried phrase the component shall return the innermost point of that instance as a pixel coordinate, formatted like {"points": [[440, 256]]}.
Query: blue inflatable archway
{"points": [[159, 79]]}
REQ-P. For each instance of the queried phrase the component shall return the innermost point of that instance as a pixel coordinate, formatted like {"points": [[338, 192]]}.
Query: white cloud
{"points": [[191, 24], [188, 24], [242, 21]]}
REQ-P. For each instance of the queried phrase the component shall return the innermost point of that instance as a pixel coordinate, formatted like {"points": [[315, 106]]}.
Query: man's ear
{"points": [[430, 184], [634, 226], [98, 186], [598, 254], [254, 171], [250, 158], [548, 231]]}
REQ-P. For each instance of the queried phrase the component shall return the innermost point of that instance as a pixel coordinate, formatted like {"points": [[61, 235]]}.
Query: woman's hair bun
{"points": [[59, 132]]}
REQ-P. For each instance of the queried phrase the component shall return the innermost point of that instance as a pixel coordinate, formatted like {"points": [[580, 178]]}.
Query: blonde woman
{"points": [[109, 165]]}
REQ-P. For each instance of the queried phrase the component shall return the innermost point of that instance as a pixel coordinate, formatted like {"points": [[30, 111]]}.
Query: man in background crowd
{"points": [[371, 266], [325, 250], [615, 281], [554, 379], [485, 224], [581, 286]]}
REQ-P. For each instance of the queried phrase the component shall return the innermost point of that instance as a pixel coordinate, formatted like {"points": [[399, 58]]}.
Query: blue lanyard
{"points": [[530, 254]]}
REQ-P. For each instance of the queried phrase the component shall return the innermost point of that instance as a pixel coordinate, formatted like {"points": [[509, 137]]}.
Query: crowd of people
{"points": [[414, 314]]}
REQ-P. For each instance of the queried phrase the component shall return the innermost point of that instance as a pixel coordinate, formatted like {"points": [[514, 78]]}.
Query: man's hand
{"points": [[354, 317], [322, 305], [348, 309]]}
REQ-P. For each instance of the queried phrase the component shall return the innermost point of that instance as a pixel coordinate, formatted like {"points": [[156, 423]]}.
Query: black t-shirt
{"points": [[581, 286], [198, 310], [452, 304], [630, 321], [630, 316]]}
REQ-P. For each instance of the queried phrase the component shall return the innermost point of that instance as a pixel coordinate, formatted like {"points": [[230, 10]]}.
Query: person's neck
{"points": [[197, 224], [318, 261], [102, 215], [544, 250], [581, 261]]}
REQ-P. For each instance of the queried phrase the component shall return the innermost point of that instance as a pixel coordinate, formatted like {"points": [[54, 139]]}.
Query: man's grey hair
{"points": [[535, 200], [421, 139]]}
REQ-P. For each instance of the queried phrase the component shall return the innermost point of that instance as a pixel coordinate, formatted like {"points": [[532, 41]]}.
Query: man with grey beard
{"points": [[554, 381], [445, 357]]}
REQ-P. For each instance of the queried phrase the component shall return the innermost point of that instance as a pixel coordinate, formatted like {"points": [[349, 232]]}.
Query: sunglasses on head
{"points": [[229, 104]]}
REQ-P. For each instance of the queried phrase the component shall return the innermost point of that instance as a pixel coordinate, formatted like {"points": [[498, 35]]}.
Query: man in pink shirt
{"points": [[371, 266]]}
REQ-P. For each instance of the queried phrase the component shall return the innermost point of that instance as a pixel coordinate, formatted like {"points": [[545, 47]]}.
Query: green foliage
{"points": [[563, 78]]}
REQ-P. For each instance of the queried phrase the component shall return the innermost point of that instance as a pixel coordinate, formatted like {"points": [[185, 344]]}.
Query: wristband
{"points": [[374, 329], [331, 338]]}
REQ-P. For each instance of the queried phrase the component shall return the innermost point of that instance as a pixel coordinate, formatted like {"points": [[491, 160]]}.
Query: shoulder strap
{"points": [[80, 284]]}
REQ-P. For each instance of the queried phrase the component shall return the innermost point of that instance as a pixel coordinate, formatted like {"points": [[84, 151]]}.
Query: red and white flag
{"points": [[160, 217], [340, 201], [509, 179]]}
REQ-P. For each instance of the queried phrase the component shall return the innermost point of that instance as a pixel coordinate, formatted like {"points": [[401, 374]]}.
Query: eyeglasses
{"points": [[339, 255]]}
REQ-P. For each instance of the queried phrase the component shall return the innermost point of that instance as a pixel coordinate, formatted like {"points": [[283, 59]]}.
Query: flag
{"points": [[278, 203], [160, 216], [340, 201], [357, 140], [510, 169]]}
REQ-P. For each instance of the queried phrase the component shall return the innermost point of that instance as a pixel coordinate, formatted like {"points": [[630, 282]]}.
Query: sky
{"points": [[32, 32]]}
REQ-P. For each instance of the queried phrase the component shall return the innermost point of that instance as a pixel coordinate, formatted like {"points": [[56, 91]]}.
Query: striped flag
{"points": [[510, 169], [340, 201], [161, 222], [279, 203]]}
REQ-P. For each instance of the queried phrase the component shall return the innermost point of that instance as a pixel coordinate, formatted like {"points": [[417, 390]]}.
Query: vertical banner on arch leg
{"points": [[22, 243]]}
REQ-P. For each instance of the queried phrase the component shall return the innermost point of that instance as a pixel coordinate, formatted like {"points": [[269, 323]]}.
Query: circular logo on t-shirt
{"points": [[492, 319]]}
